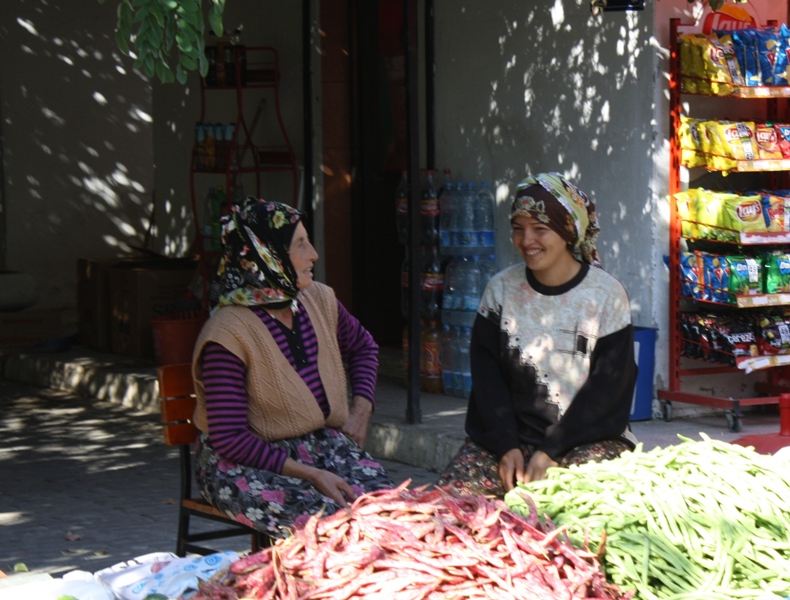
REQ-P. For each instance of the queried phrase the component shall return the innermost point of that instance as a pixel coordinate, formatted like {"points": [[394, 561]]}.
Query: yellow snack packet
{"points": [[686, 203], [712, 219], [698, 46], [689, 82], [690, 142], [744, 213]]}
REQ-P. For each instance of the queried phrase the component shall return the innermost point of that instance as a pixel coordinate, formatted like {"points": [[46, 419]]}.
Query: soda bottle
{"points": [[484, 216], [405, 269], [446, 358], [464, 366], [429, 212], [445, 215], [402, 208], [467, 238], [431, 283], [430, 365]]}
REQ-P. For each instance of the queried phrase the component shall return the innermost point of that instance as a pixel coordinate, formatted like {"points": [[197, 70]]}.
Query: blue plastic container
{"points": [[645, 355]]}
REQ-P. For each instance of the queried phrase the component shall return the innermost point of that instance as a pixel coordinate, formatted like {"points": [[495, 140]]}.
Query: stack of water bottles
{"points": [[466, 234]]}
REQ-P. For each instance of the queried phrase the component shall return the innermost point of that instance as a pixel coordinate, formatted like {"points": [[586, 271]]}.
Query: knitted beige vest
{"points": [[280, 405]]}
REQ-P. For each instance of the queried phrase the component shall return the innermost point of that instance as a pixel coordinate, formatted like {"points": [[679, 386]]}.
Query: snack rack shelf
{"points": [[256, 76], [778, 374]]}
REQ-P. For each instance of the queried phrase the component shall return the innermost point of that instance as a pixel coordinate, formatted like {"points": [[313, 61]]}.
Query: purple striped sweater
{"points": [[224, 377]]}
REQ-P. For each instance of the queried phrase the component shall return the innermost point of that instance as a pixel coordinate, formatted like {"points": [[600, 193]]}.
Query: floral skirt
{"points": [[273, 503], [474, 470]]}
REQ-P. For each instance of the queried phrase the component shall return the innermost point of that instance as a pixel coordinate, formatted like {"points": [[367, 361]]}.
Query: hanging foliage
{"points": [[167, 37]]}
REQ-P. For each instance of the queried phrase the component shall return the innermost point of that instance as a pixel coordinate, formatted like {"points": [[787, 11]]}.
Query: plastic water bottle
{"points": [[464, 366], [450, 285], [402, 208], [461, 266], [484, 216], [466, 220], [487, 266], [445, 201], [455, 213], [431, 284], [457, 358], [446, 359], [471, 286]]}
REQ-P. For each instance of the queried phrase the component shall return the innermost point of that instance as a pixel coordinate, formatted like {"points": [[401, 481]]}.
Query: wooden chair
{"points": [[177, 393]]}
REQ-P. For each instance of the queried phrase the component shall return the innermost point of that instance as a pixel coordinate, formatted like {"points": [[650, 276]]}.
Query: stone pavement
{"points": [[86, 482]]}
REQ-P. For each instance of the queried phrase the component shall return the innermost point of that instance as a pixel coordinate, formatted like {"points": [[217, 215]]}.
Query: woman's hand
{"points": [[536, 469], [333, 486], [329, 484], [511, 468], [356, 427]]}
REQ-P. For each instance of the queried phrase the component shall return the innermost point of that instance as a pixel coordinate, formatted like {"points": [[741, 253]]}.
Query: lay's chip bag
{"points": [[767, 141], [783, 139], [689, 52], [743, 214], [776, 212], [730, 142], [690, 281], [782, 65]]}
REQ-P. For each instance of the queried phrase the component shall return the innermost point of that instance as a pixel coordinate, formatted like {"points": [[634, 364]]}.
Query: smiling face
{"points": [[303, 257], [542, 248]]}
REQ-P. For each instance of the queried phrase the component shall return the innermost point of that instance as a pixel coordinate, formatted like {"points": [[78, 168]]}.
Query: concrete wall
{"points": [[76, 129]]}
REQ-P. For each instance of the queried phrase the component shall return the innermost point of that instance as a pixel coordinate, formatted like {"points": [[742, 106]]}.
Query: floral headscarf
{"points": [[255, 268], [555, 201]]}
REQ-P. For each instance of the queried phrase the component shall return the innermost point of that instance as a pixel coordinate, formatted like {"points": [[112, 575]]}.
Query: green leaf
{"points": [[160, 70], [122, 42], [181, 75], [149, 64], [215, 21], [20, 568], [202, 64], [169, 77], [183, 43], [171, 4], [187, 62]]}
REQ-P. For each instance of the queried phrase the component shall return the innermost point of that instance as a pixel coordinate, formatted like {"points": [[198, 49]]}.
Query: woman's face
{"points": [[539, 245], [303, 257]]}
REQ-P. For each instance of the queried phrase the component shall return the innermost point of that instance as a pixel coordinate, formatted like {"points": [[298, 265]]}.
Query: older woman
{"points": [[278, 440], [552, 352]]}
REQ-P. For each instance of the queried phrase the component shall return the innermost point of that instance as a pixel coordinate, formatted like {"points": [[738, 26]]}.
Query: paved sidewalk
{"points": [[86, 482]]}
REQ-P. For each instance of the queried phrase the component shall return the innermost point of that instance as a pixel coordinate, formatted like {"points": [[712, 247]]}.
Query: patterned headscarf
{"points": [[556, 202], [255, 268]]}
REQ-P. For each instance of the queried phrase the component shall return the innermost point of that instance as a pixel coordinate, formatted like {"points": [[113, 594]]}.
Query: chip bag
{"points": [[783, 139], [776, 274], [767, 42], [767, 141], [776, 212], [744, 277], [711, 218], [745, 48], [686, 203], [691, 150], [742, 214], [781, 67], [774, 335]]}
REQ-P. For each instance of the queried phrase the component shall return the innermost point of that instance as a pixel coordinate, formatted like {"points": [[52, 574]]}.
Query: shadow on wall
{"points": [[77, 131], [550, 88]]}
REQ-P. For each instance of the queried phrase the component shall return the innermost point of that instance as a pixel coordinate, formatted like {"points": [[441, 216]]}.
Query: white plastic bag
{"points": [[162, 573]]}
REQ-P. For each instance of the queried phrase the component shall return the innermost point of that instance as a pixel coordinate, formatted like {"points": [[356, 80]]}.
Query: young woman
{"points": [[552, 352], [279, 441]]}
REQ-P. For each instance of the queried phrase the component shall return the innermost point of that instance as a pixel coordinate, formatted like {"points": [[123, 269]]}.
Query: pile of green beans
{"points": [[697, 520]]}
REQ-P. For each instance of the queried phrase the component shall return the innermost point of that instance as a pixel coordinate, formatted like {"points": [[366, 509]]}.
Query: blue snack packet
{"points": [[768, 49], [746, 54], [781, 65], [689, 276]]}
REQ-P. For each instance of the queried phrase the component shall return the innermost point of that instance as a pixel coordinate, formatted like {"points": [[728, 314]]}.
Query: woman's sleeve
{"points": [[224, 378], [602, 407], [360, 353], [490, 420]]}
